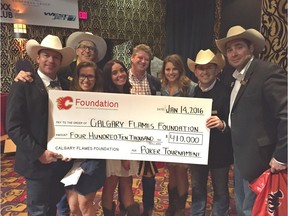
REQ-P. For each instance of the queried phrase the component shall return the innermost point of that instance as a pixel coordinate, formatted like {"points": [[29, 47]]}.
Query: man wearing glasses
{"points": [[88, 47]]}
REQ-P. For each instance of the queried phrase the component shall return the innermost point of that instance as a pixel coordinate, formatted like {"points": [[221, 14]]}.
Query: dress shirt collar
{"points": [[46, 80], [207, 89], [240, 75], [131, 75]]}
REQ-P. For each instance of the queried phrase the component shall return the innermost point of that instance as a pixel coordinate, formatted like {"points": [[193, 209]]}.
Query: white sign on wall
{"points": [[57, 13]]}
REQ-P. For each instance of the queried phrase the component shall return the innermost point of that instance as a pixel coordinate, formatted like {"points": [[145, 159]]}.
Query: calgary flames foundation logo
{"points": [[64, 103]]}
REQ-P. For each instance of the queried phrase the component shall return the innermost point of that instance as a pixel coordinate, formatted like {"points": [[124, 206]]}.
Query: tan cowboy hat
{"points": [[50, 42], [237, 32], [75, 38], [205, 57]]}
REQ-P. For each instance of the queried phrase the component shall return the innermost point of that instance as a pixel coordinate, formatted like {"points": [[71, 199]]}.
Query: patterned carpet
{"points": [[13, 195]]}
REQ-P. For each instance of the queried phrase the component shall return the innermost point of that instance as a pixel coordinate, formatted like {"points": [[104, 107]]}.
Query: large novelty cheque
{"points": [[129, 127]]}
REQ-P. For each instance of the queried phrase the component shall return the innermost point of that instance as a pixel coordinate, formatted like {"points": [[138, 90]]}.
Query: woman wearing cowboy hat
{"points": [[206, 68], [258, 112]]}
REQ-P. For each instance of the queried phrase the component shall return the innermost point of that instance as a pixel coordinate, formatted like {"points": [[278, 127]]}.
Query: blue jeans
{"points": [[199, 190], [44, 193], [63, 206], [40, 200], [244, 197]]}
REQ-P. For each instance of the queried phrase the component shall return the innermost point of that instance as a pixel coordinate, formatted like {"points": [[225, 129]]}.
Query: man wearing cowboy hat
{"points": [[27, 126], [258, 112], [88, 47], [206, 68]]}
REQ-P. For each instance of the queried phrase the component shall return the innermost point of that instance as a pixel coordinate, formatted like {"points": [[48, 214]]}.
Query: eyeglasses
{"points": [[84, 47], [89, 77]]}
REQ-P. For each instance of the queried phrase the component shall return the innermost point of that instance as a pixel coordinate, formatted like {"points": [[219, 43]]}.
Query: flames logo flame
{"points": [[64, 103]]}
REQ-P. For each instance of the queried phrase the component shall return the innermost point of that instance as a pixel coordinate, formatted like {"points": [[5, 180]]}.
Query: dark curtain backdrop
{"points": [[189, 28]]}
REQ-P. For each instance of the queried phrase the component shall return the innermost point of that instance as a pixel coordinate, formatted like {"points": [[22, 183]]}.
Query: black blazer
{"points": [[259, 119], [154, 84], [27, 126], [67, 74], [220, 146]]}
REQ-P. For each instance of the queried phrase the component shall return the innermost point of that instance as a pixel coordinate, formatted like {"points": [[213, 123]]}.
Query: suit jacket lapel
{"points": [[244, 82], [40, 85]]}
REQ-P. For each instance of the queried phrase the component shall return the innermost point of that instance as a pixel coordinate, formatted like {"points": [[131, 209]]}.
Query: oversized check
{"points": [[129, 127]]}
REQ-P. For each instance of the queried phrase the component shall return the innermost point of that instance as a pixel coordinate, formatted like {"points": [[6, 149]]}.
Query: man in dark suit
{"points": [[27, 126], [258, 112], [88, 47]]}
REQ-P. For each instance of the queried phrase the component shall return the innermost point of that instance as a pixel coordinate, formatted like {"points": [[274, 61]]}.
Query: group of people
{"points": [[248, 125]]}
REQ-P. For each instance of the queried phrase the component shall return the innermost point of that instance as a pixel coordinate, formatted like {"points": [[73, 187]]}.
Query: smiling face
{"points": [[118, 76], [172, 73], [206, 74], [86, 51], [87, 78], [49, 62], [140, 62], [238, 53]]}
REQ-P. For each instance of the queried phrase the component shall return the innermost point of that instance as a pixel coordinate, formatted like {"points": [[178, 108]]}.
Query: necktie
{"points": [[55, 84]]}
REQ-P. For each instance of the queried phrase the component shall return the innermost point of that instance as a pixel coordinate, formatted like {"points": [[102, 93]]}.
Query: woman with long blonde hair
{"points": [[176, 83]]}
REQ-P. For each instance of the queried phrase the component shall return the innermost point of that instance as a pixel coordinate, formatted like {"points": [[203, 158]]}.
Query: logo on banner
{"points": [[6, 11], [57, 16], [64, 103]]}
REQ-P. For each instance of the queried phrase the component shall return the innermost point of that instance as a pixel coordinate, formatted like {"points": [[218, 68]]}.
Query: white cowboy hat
{"points": [[238, 32], [75, 38], [205, 57], [50, 42]]}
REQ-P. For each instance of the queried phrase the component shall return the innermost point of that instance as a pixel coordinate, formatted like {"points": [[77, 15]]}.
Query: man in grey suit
{"points": [[27, 126], [258, 112]]}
